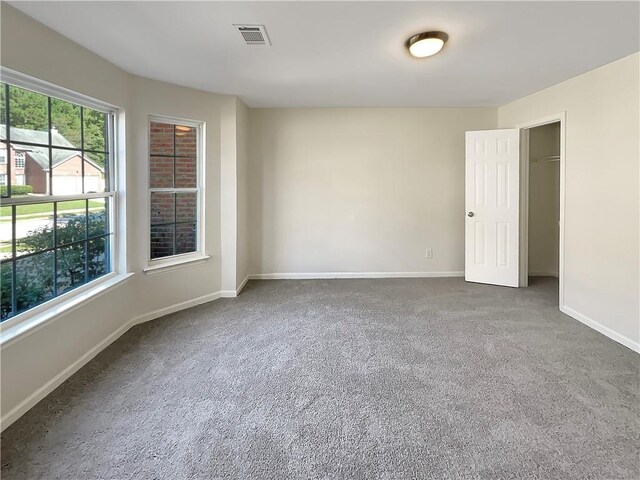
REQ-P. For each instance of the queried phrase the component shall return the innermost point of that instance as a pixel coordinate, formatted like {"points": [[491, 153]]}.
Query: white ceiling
{"points": [[352, 53]]}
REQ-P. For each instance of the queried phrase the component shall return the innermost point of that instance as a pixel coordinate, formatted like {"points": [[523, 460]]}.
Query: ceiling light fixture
{"points": [[426, 44], [182, 128]]}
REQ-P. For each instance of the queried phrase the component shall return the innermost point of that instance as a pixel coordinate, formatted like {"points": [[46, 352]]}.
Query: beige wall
{"points": [[168, 288], [242, 168], [602, 213], [335, 190], [234, 194], [30, 364], [544, 200], [359, 190], [229, 195]]}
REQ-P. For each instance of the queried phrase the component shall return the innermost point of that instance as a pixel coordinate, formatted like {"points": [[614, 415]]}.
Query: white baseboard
{"points": [[613, 335], [29, 402], [234, 293], [20, 409], [175, 308], [330, 275], [242, 285], [56, 381]]}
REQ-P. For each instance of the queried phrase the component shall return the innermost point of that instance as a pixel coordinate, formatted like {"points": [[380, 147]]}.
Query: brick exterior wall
{"points": [[173, 164], [14, 170], [73, 167], [37, 177]]}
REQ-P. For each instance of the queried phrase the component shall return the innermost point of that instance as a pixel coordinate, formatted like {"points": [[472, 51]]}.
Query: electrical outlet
{"points": [[429, 253]]}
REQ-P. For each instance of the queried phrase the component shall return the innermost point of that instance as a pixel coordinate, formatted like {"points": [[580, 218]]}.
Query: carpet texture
{"points": [[345, 379]]}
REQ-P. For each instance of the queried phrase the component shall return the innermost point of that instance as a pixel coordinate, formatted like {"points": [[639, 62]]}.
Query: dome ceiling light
{"points": [[426, 44]]}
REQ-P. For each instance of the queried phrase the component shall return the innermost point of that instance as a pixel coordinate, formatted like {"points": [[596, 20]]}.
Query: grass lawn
{"points": [[22, 210]]}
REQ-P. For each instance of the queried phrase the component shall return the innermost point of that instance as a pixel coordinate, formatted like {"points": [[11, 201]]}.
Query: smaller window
{"points": [[175, 194], [3, 179], [20, 180], [3, 156], [20, 157]]}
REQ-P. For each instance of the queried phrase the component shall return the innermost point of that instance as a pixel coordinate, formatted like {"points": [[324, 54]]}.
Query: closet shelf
{"points": [[551, 158]]}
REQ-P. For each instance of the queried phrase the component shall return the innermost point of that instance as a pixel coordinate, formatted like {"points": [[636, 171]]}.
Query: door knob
{"points": [[470, 214]]}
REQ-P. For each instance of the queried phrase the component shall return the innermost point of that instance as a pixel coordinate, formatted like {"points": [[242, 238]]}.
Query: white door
{"points": [[493, 207]]}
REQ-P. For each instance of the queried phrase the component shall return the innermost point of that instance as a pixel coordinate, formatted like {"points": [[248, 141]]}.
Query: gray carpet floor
{"points": [[345, 379]]}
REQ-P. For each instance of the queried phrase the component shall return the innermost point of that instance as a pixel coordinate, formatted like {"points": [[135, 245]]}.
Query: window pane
{"points": [[161, 172], [186, 141], [65, 124], [185, 238], [34, 228], [162, 208], [70, 268], [98, 257], [4, 155], [34, 280], [186, 172], [71, 225], [173, 164], [98, 217], [161, 139], [3, 151], [3, 108], [162, 237], [53, 253], [67, 172], [94, 172], [186, 207], [28, 116], [95, 130], [6, 282], [6, 232]]}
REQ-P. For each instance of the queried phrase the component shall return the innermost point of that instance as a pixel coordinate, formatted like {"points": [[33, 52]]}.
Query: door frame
{"points": [[524, 197]]}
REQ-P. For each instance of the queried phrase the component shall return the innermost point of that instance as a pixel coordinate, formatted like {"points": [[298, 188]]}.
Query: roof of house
{"points": [[41, 154]]}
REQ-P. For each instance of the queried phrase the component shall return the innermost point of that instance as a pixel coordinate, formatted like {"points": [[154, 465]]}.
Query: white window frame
{"points": [[3, 156], [35, 318], [158, 265], [3, 179], [23, 158]]}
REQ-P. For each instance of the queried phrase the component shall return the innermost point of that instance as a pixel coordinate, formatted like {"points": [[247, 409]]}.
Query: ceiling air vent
{"points": [[253, 34]]}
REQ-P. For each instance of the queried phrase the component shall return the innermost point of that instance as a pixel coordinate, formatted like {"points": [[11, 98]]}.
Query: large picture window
{"points": [[174, 188], [57, 211]]}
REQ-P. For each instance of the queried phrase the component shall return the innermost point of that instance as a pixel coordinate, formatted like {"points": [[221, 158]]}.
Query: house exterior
{"points": [[30, 163]]}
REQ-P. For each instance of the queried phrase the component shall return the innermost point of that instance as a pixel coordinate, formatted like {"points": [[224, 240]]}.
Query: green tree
{"points": [[30, 110], [5, 293], [34, 275]]}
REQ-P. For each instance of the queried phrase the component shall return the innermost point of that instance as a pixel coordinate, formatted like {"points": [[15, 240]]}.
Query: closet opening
{"points": [[541, 182]]}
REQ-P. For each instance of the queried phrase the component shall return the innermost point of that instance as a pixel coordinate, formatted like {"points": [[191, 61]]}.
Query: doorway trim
{"points": [[524, 197]]}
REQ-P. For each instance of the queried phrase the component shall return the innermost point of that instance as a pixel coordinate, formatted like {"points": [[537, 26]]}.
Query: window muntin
{"points": [[174, 188], [60, 236], [20, 159]]}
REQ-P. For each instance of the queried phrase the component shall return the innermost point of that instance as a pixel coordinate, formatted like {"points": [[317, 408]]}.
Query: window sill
{"points": [[31, 321], [175, 264]]}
